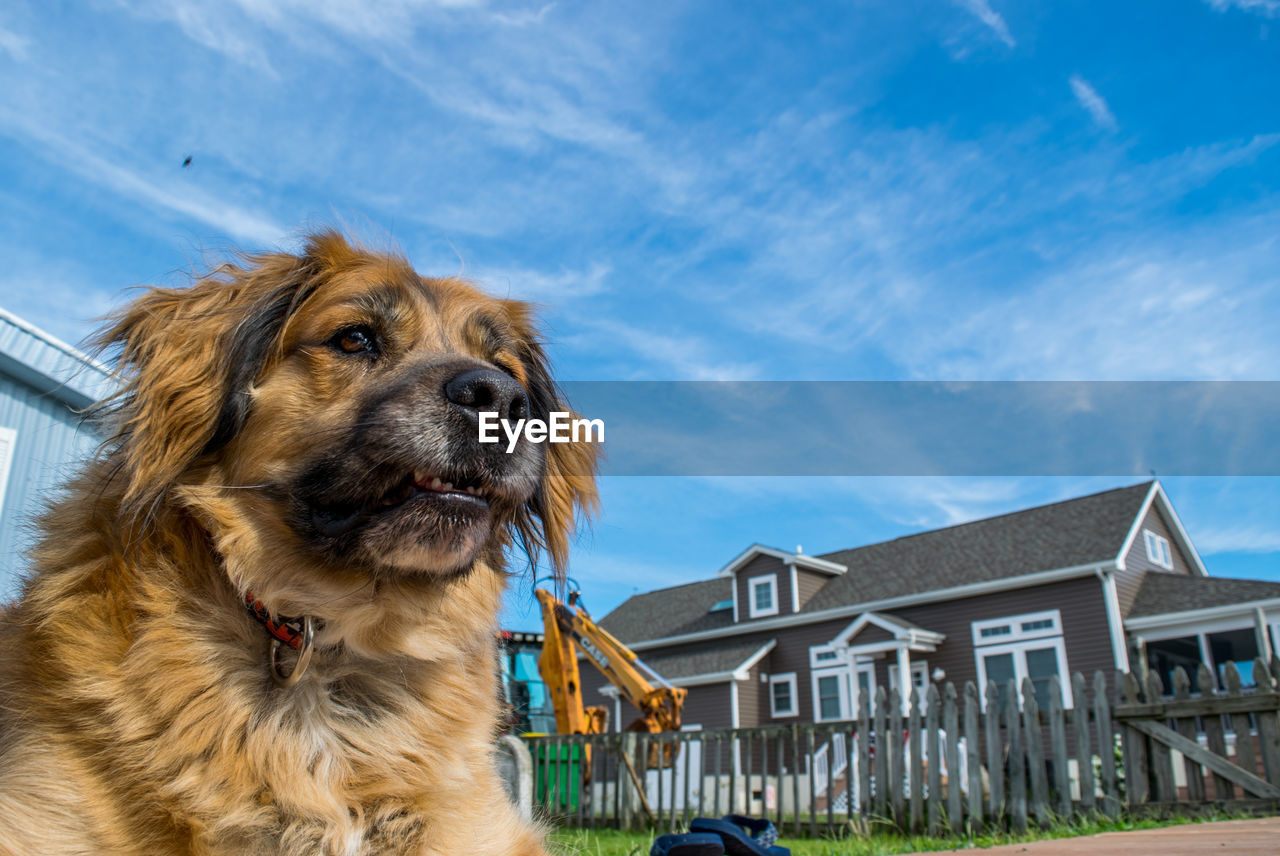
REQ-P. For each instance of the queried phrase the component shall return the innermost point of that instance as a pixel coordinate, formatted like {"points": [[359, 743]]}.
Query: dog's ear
{"points": [[568, 485], [188, 359]]}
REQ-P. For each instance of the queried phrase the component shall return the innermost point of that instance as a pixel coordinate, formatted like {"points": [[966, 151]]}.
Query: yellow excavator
{"points": [[569, 626]]}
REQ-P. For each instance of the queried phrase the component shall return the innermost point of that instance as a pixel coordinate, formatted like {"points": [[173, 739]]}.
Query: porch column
{"points": [[1264, 636], [904, 678]]}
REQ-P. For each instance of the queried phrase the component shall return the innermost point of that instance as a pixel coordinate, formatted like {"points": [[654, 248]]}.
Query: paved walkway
{"points": [[1255, 837]]}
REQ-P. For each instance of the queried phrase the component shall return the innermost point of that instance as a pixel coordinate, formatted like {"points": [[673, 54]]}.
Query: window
{"points": [[782, 695], [831, 694], [721, 605], [1158, 549], [919, 676], [1164, 656], [1021, 647], [8, 439], [1234, 646], [762, 596], [821, 656]]}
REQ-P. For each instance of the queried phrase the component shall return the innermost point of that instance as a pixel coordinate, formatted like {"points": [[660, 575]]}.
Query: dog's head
{"points": [[330, 400]]}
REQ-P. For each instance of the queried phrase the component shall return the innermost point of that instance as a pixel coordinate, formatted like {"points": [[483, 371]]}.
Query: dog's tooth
{"points": [[436, 483], [448, 485]]}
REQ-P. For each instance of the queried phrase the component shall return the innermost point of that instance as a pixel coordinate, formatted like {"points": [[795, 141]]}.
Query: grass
{"points": [[607, 842]]}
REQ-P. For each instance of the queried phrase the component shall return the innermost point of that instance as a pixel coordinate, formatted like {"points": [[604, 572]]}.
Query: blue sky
{"points": [[968, 190]]}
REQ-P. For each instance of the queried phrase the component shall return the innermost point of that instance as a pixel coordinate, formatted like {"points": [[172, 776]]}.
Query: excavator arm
{"points": [[565, 628]]}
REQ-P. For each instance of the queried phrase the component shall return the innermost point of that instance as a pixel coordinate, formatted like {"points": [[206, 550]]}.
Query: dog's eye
{"points": [[356, 340]]}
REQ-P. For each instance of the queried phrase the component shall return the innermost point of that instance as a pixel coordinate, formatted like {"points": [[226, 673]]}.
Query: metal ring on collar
{"points": [[304, 655]]}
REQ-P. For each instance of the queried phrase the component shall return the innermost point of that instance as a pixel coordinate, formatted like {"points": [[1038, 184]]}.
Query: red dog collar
{"points": [[287, 630]]}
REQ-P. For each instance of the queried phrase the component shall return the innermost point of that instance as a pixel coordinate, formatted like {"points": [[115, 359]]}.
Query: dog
{"points": [[262, 620]]}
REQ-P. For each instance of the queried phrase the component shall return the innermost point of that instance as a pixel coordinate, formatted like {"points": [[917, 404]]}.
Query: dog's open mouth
{"points": [[441, 499], [456, 488]]}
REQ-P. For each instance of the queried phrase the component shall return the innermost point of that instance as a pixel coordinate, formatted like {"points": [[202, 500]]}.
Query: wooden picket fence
{"points": [[949, 762]]}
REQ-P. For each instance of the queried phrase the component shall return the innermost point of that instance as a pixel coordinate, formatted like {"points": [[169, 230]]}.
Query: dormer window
{"points": [[762, 594], [1158, 549]]}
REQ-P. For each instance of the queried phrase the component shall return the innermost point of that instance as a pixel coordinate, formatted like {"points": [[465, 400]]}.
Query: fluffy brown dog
{"points": [[301, 428]]}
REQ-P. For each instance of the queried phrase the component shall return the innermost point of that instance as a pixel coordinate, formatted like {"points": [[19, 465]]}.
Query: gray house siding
{"points": [[809, 583], [1137, 564], [707, 705], [758, 567], [1086, 635]]}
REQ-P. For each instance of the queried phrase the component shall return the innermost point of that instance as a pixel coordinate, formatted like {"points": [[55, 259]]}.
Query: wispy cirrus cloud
{"points": [[172, 197], [1093, 103], [993, 20], [1269, 8]]}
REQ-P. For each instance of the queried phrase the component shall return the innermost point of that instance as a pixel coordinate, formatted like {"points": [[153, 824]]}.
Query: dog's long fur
{"points": [[137, 713]]}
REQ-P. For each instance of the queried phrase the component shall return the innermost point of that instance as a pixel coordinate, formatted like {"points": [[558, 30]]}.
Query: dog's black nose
{"points": [[485, 389]]}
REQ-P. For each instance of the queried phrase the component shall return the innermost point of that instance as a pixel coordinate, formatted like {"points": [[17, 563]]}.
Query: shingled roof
{"points": [[1164, 593], [724, 656], [666, 612], [1064, 534], [1060, 535]]}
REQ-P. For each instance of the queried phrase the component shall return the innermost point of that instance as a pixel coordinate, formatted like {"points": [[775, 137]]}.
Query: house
{"points": [[45, 386], [779, 636]]}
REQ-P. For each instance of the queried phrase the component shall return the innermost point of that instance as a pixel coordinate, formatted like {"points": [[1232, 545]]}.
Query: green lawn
{"points": [[573, 842]]}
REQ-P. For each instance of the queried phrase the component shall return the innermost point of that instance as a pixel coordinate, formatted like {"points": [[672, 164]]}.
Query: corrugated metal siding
{"points": [[45, 364], [42, 383], [51, 444], [759, 567]]}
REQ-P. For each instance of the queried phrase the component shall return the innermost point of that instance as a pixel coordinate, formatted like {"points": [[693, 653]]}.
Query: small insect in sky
{"points": [[186, 163]]}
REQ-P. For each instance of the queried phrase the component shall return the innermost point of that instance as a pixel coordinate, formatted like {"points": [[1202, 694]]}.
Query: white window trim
{"points": [[1018, 650], [1162, 544], [815, 663], [772, 581], [785, 678], [8, 440], [1017, 634], [859, 668], [846, 702], [917, 667]]}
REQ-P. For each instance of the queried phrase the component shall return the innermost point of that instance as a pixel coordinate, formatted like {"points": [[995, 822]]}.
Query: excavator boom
{"points": [[564, 628]]}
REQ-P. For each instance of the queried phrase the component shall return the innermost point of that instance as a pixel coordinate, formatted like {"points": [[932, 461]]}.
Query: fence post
{"points": [[1017, 761], [894, 743], [1058, 748], [951, 718], [1084, 757], [971, 739], [1223, 788], [1134, 744], [933, 749], [1187, 728], [1245, 756], [882, 755], [1106, 746], [995, 755], [1161, 758], [864, 756], [1268, 727], [916, 782], [1035, 754]]}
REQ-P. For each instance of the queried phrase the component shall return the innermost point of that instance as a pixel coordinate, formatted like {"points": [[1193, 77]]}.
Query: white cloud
{"points": [[13, 44], [1270, 8], [657, 355], [1094, 103], [981, 9], [540, 286], [1238, 538]]}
